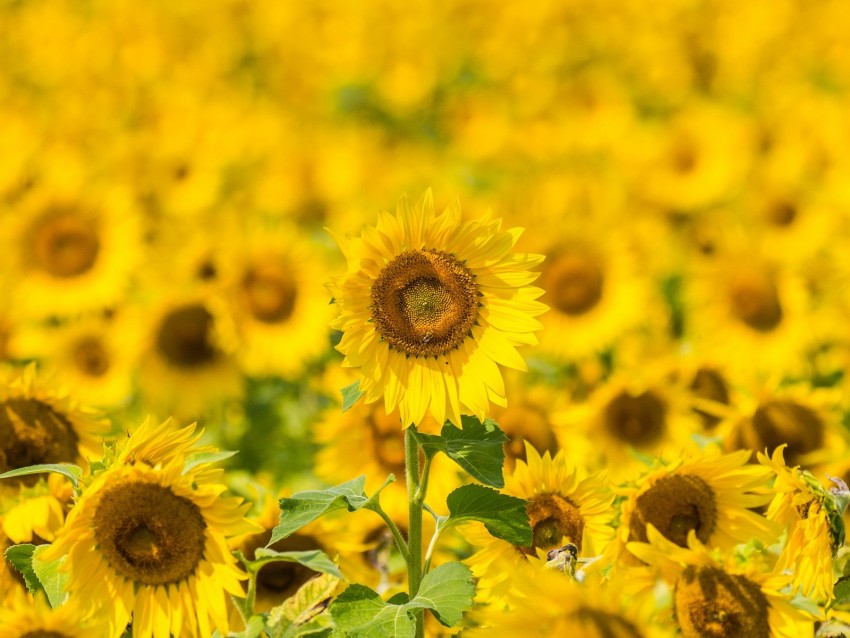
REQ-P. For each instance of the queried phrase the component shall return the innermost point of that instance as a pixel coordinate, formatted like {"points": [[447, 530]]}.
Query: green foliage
{"points": [[477, 447], [504, 516], [49, 573], [21, 558], [200, 458], [305, 507], [360, 612], [314, 559], [70, 470], [303, 614], [350, 395]]}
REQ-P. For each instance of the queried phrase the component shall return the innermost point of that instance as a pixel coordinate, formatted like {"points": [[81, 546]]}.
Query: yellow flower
{"points": [[149, 544], [814, 524], [28, 617], [711, 598], [430, 306], [710, 494], [40, 425], [562, 507]]}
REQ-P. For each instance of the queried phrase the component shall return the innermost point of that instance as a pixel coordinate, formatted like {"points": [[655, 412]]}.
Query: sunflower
{"points": [[11, 580], [711, 598], [814, 523], [149, 544], [710, 494], [562, 507], [32, 617], [184, 367], [40, 425], [430, 306], [549, 603], [273, 277], [379, 439], [71, 251]]}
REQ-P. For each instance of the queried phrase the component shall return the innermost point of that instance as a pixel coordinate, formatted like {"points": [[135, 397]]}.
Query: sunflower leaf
{"points": [[302, 614], [21, 558], [314, 559], [350, 395], [504, 516], [446, 590], [253, 628], [73, 472], [841, 592], [477, 448], [194, 460], [49, 573], [305, 507]]}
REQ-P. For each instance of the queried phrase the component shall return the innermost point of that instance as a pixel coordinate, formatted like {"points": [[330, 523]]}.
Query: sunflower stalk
{"points": [[417, 485]]}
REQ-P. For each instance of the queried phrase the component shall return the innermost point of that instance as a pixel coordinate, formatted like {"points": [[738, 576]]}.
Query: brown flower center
{"points": [[755, 301], [709, 603], [424, 303], [675, 505], [32, 433], [597, 623], [44, 633], [148, 534], [184, 338], [269, 293], [782, 213], [91, 356], [638, 420], [781, 421], [64, 244], [573, 282], [521, 423], [554, 520], [387, 440], [277, 581], [708, 384]]}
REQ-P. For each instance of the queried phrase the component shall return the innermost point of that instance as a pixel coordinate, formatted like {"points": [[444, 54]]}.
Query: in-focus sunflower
{"points": [[549, 603], [562, 507], [32, 617], [150, 544], [429, 308], [710, 494], [40, 425], [712, 599], [814, 522]]}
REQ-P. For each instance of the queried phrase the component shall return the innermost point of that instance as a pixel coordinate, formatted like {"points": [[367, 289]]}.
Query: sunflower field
{"points": [[387, 319]]}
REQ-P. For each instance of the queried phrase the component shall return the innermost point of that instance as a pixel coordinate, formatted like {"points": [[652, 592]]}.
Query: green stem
{"points": [[415, 498], [399, 541]]}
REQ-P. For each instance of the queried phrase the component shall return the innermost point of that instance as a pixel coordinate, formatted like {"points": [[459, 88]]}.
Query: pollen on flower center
{"points": [[636, 419], [91, 357], [553, 519], [755, 301], [573, 282], [675, 505], [709, 603], [424, 303], [63, 244], [32, 433], [269, 294], [184, 337], [148, 534]]}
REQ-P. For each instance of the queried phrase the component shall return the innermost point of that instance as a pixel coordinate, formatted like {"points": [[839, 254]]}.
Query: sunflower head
{"points": [[430, 305]]}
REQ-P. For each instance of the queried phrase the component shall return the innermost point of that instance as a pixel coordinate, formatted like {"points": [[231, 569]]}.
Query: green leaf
{"points": [[50, 575], [194, 460], [21, 558], [253, 628], [477, 448], [504, 516], [303, 613], [350, 395], [447, 591], [314, 559], [840, 592], [70, 470], [305, 507]]}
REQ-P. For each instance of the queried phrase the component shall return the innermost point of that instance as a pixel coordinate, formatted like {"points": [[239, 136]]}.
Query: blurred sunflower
{"points": [[710, 494], [70, 252], [149, 544], [549, 603], [273, 278], [713, 599], [184, 368], [32, 617], [11, 581], [562, 508], [814, 522], [431, 306], [40, 425]]}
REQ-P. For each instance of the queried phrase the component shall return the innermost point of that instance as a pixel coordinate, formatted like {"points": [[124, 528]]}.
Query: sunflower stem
{"points": [[397, 537], [416, 486]]}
